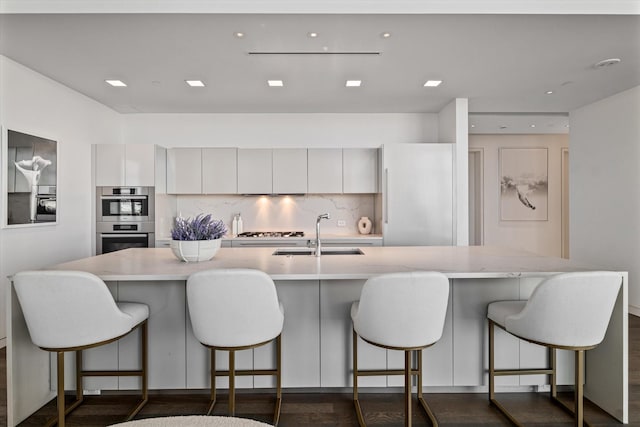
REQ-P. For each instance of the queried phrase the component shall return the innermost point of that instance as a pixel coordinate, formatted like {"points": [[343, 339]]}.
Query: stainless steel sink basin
{"points": [[325, 251]]}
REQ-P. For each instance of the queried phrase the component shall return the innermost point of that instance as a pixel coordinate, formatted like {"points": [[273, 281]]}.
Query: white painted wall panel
{"points": [[604, 182]]}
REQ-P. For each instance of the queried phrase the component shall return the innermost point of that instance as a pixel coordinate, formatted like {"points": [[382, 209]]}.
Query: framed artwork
{"points": [[524, 179], [31, 165]]}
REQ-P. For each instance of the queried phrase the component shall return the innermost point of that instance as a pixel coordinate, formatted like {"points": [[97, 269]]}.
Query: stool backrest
{"points": [[233, 307], [403, 309], [571, 309], [67, 309]]}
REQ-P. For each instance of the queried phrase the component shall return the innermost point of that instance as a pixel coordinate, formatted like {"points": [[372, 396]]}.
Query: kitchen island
{"points": [[317, 295]]}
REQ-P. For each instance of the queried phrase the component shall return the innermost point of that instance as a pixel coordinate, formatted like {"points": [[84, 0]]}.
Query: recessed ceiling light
{"points": [[503, 126], [239, 34], [313, 35], [566, 126], [549, 92], [432, 83], [532, 126], [116, 83], [606, 63], [275, 83], [353, 83], [385, 35], [195, 83], [472, 125]]}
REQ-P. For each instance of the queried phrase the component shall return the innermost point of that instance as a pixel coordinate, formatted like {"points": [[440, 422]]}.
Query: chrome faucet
{"points": [[318, 244]]}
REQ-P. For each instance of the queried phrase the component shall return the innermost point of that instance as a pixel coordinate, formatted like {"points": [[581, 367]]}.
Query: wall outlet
{"points": [[543, 388], [91, 392], [342, 223]]}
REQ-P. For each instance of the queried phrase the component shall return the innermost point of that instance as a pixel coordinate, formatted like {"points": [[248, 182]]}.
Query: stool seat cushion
{"points": [[402, 310], [234, 307], [565, 310], [138, 312], [70, 309], [499, 311]]}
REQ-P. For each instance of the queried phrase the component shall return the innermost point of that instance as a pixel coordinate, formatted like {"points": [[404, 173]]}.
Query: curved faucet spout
{"points": [[318, 244]]}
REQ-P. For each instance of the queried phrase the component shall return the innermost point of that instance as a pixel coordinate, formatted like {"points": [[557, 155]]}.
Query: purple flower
{"points": [[202, 227]]}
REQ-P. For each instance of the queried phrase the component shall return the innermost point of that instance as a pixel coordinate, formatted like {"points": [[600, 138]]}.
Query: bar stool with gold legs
{"points": [[74, 311], [568, 311], [405, 312], [233, 310]]}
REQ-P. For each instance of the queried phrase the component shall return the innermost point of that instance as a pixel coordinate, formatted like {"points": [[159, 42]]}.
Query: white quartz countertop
{"points": [[157, 264]]}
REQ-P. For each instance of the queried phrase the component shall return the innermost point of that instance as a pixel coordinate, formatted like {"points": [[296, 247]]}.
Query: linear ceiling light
{"points": [[353, 83], [275, 83], [432, 83], [116, 83], [195, 83]]}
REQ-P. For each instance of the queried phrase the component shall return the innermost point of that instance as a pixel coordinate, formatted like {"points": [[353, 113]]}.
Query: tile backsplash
{"points": [[270, 213]]}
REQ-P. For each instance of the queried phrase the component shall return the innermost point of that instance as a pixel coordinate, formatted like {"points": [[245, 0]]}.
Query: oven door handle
{"points": [[124, 197], [119, 235]]}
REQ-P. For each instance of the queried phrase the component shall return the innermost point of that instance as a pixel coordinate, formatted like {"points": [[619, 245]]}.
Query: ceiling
{"points": [[501, 63]]}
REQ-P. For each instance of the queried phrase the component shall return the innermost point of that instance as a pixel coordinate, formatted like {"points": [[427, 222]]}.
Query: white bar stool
{"points": [[568, 311], [400, 311], [236, 309], [74, 311]]}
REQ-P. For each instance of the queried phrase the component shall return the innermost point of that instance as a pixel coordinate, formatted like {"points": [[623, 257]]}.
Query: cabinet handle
{"points": [[386, 196]]}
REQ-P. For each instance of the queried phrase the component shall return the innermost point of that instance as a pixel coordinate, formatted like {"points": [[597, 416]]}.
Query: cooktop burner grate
{"points": [[272, 234]]}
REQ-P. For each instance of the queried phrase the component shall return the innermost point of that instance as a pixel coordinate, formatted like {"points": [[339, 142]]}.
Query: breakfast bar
{"points": [[317, 293]]}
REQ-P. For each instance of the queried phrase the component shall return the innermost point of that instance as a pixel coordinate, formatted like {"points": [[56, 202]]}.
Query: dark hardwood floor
{"points": [[336, 409]]}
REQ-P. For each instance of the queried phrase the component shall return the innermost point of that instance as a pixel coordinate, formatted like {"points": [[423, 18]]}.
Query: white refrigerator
{"points": [[417, 194]]}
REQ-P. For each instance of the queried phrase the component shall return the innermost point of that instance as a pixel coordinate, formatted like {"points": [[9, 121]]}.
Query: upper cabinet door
{"points": [[139, 170], [220, 170], [360, 170], [325, 170], [290, 171], [110, 160], [184, 171], [255, 171]]}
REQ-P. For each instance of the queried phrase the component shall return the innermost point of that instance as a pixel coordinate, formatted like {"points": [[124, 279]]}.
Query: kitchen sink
{"points": [[325, 251]]}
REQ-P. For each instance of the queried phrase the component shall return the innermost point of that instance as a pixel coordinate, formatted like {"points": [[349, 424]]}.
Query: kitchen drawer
{"points": [[269, 243]]}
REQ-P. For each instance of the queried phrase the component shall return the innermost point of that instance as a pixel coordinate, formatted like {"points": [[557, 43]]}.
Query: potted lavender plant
{"points": [[197, 239]]}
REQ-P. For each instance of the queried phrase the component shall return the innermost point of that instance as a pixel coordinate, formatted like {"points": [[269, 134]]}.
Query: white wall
{"points": [[453, 127], [279, 130], [541, 237], [32, 103], [605, 186]]}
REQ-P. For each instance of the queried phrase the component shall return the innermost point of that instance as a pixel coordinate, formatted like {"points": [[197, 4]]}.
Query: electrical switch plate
{"points": [[341, 223]]}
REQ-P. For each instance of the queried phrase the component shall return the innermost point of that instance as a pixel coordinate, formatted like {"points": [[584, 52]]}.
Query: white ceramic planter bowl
{"points": [[195, 250]]}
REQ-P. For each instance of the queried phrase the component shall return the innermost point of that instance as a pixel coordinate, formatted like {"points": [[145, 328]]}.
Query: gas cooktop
{"points": [[272, 234]]}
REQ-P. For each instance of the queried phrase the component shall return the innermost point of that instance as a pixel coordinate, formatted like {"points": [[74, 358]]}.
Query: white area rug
{"points": [[193, 421]]}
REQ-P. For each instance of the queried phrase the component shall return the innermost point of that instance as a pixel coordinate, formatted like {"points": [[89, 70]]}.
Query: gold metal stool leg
{"points": [[425, 406], [356, 402], [276, 414], [407, 388], [579, 388], [232, 382], [61, 411], [213, 380]]}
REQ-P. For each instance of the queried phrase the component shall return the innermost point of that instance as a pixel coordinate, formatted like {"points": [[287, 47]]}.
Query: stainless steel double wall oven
{"points": [[125, 218]]}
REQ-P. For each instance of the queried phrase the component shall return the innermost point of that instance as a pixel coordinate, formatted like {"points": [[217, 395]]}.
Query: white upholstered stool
{"points": [[74, 311], [232, 310], [568, 311], [401, 311]]}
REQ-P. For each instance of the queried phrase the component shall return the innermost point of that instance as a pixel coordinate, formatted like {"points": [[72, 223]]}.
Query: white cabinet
{"points": [[132, 165], [360, 170], [324, 170], [219, 170], [184, 171], [255, 171], [290, 171]]}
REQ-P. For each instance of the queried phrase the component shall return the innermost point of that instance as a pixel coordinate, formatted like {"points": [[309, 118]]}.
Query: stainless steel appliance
{"points": [[125, 218], [417, 194], [118, 204], [46, 203]]}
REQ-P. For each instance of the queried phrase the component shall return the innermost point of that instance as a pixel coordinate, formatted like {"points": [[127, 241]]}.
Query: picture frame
{"points": [[29, 179], [524, 184]]}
